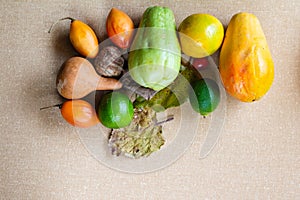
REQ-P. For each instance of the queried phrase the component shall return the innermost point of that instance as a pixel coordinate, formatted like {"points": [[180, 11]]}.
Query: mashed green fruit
{"points": [[141, 138]]}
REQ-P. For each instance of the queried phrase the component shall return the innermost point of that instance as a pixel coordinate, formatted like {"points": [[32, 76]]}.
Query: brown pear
{"points": [[77, 78]]}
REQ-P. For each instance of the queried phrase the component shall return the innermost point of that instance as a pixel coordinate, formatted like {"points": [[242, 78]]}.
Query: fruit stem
{"points": [[65, 18], [57, 105], [169, 118]]}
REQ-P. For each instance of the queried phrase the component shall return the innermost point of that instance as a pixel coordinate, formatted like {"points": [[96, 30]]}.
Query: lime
{"points": [[205, 96], [200, 35], [115, 110]]}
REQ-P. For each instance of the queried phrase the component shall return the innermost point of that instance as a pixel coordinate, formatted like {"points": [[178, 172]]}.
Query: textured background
{"points": [[257, 156]]}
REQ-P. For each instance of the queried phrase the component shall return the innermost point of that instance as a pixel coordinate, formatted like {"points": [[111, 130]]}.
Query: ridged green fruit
{"points": [[155, 55]]}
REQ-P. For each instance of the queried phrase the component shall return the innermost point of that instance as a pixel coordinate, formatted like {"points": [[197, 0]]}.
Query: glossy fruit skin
{"points": [[205, 96], [83, 39], [155, 55], [200, 35], [115, 110], [79, 113], [246, 65], [200, 63], [119, 28]]}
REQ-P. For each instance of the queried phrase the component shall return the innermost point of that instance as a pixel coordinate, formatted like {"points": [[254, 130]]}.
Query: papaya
{"points": [[155, 54], [246, 66]]}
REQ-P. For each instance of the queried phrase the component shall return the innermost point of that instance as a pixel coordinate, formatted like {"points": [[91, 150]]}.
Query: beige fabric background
{"points": [[257, 156]]}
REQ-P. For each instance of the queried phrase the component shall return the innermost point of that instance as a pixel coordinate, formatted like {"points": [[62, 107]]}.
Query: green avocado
{"points": [[205, 96], [174, 95], [155, 55]]}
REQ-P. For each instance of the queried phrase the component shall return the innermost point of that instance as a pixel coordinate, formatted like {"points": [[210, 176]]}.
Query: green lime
{"points": [[205, 96], [115, 110]]}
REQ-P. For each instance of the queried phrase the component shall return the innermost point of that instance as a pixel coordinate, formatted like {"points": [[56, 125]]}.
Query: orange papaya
{"points": [[246, 65]]}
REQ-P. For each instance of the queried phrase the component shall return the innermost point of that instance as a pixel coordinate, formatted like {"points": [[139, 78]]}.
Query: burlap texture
{"points": [[257, 156]]}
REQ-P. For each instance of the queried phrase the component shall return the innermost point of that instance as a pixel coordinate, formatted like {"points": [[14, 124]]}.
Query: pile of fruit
{"points": [[161, 66]]}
